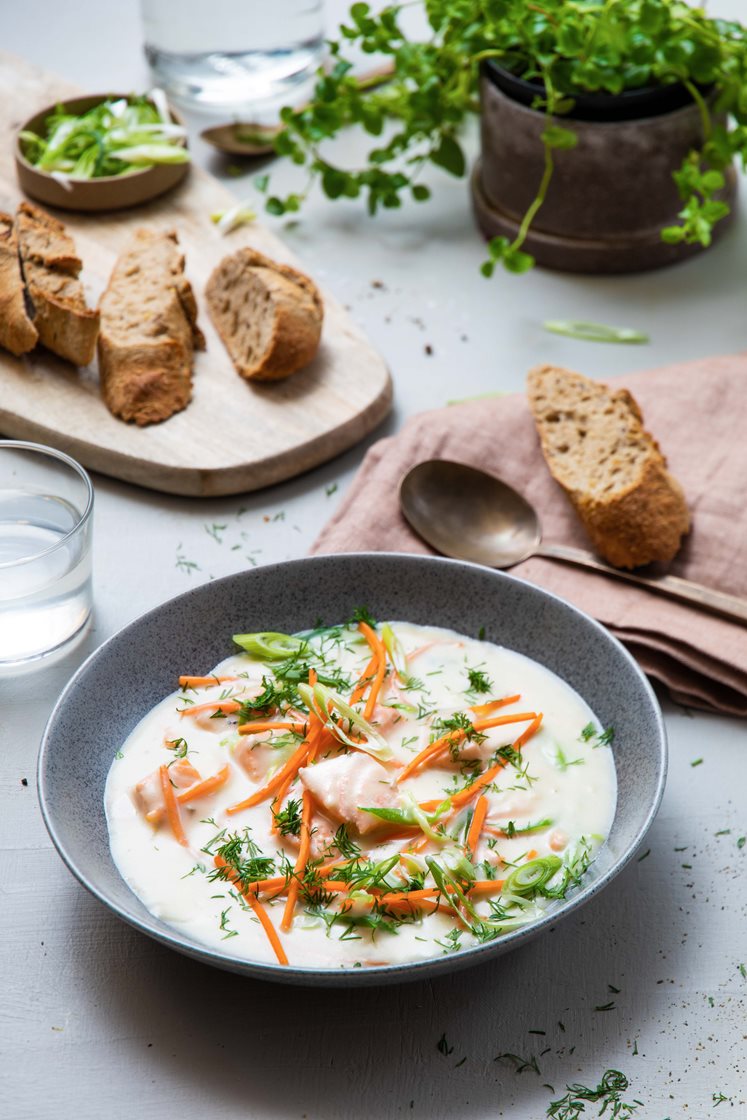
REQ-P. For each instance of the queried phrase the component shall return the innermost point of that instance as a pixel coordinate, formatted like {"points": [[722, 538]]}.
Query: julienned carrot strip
{"points": [[493, 705], [228, 707], [172, 809], [258, 909], [365, 680], [466, 795], [257, 725], [292, 766], [203, 682], [207, 785], [486, 886], [478, 820], [454, 737], [301, 860], [379, 651]]}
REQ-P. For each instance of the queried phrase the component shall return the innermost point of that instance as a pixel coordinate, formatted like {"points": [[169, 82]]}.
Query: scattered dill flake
{"points": [[723, 832], [183, 564], [635, 1047], [288, 820], [481, 634], [711, 1001], [588, 732], [741, 842], [607, 1093], [330, 490], [646, 853], [561, 1025], [563, 762], [719, 1098], [519, 1063], [215, 531], [460, 1062], [362, 614], [681, 849], [612, 988], [606, 1006], [536, 1032], [606, 737], [696, 762], [347, 848], [443, 1047], [687, 866], [479, 681], [743, 971]]}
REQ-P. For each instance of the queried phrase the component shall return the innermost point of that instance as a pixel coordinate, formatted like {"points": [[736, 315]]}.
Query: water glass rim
{"points": [[52, 453]]}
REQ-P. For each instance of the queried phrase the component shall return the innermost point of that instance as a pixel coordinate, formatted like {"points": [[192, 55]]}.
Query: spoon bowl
{"points": [[468, 514]]}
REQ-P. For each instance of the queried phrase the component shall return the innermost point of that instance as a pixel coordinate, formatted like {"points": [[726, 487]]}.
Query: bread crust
{"points": [[268, 315], [149, 331], [17, 333], [610, 467], [61, 316]]}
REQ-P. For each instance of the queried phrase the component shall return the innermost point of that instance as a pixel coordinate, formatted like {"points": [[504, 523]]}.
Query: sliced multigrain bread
{"points": [[611, 468], [63, 320], [268, 314], [149, 331], [17, 333]]}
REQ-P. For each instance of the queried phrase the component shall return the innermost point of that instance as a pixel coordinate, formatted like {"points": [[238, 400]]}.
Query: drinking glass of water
{"points": [[46, 503], [233, 55]]}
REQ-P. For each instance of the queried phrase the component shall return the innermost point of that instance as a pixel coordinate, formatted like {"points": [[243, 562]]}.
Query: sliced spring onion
{"points": [[594, 332], [268, 645], [115, 137], [321, 699], [531, 876], [411, 814], [396, 651], [239, 215]]}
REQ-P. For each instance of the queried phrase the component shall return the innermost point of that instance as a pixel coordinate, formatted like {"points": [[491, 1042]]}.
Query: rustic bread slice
{"points": [[17, 333], [596, 447], [149, 331], [65, 323], [269, 315]]}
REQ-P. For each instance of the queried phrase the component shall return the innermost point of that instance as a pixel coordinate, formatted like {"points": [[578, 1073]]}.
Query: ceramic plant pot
{"points": [[610, 196]]}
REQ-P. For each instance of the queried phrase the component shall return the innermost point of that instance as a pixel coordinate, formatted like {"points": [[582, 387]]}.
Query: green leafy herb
{"points": [[520, 1064], [479, 682], [565, 49], [288, 820]]}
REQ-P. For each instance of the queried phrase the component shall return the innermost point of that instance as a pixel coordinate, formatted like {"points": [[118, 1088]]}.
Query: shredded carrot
{"points": [[258, 909], [301, 860], [486, 886], [365, 680], [493, 705], [379, 651], [454, 737], [257, 725], [478, 820], [291, 768], [202, 788], [203, 682], [466, 795], [172, 809], [228, 707]]}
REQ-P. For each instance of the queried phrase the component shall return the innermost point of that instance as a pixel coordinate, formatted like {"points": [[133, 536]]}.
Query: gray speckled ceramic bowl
{"points": [[138, 667]]}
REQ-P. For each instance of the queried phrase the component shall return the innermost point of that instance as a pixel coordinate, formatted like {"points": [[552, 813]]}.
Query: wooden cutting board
{"points": [[234, 436]]}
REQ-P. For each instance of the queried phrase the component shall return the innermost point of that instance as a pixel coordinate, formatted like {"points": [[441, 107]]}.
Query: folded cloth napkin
{"points": [[698, 413]]}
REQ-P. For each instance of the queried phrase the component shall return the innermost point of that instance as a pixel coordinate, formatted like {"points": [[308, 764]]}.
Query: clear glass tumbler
{"points": [[46, 503], [233, 55]]}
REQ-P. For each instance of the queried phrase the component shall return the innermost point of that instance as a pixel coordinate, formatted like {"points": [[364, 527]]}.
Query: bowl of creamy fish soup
{"points": [[353, 769]]}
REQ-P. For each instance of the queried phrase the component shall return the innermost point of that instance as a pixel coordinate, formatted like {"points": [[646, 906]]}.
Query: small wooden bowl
{"points": [[110, 192]]}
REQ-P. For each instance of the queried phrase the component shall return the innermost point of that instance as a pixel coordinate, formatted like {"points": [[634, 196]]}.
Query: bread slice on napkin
{"points": [[269, 315], [149, 331], [17, 333], [610, 467], [51, 266]]}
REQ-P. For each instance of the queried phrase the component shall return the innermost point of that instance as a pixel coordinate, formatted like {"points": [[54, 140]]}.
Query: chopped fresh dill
{"points": [[520, 1064], [288, 820], [479, 681], [562, 761]]}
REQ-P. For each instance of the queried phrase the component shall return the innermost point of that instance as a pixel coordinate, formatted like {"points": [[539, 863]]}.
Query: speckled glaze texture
{"points": [[138, 667]]}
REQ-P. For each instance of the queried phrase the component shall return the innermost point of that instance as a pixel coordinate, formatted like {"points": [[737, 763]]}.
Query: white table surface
{"points": [[97, 1021]]}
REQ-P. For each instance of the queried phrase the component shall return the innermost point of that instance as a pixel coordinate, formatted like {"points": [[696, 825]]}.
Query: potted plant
{"points": [[609, 127]]}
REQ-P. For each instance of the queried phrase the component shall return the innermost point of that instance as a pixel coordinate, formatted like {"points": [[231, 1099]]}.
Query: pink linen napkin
{"points": [[698, 413]]}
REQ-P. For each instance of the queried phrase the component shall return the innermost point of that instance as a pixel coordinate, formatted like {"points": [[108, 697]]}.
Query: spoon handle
{"points": [[718, 602]]}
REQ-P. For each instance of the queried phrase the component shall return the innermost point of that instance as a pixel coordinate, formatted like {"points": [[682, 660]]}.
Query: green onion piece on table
{"points": [[594, 332]]}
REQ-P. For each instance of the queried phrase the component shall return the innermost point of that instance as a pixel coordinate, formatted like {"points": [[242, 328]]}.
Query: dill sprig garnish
{"points": [[288, 820]]}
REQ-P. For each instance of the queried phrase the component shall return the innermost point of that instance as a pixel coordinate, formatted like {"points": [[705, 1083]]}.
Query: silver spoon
{"points": [[470, 515]]}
